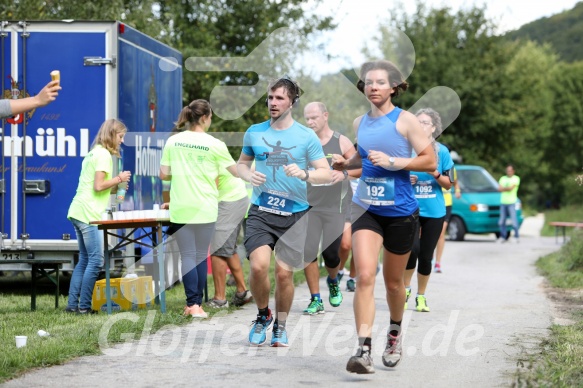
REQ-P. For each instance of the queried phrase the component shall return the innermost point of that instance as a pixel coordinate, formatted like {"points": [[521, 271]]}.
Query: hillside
{"points": [[563, 31]]}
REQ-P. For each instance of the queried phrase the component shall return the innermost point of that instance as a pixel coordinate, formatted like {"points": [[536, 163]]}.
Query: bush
{"points": [[573, 194], [564, 269]]}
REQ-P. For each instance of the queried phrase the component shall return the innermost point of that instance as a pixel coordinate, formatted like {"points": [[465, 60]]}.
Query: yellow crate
{"points": [[124, 294], [145, 292]]}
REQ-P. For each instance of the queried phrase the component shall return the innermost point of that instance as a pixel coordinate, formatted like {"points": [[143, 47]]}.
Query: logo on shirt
{"points": [[278, 157], [14, 93]]}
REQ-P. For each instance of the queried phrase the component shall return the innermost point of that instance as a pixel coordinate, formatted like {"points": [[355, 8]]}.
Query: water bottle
{"points": [[121, 192]]}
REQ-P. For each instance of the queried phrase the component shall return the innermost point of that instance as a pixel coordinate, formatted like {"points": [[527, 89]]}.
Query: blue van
{"points": [[478, 209]]}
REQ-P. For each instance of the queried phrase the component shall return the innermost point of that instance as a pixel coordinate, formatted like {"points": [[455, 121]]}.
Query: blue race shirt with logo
{"points": [[428, 192], [381, 191], [273, 149]]}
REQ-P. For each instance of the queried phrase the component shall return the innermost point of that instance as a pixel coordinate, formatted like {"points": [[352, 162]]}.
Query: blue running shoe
{"points": [[351, 285], [279, 337], [258, 334]]}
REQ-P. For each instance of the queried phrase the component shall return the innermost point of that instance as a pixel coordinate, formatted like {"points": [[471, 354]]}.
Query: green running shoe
{"points": [[408, 294], [335, 294], [422, 304], [316, 306]]}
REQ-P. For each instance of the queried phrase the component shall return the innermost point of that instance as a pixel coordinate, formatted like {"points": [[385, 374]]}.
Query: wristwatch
{"points": [[391, 161], [345, 174], [307, 175]]}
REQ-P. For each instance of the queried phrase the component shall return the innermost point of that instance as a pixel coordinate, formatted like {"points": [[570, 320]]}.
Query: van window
{"points": [[476, 181]]}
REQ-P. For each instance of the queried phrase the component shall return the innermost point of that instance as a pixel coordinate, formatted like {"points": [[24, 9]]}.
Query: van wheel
{"points": [[456, 229]]}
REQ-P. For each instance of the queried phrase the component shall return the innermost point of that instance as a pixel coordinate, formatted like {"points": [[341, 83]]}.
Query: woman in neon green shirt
{"points": [[191, 160], [91, 199]]}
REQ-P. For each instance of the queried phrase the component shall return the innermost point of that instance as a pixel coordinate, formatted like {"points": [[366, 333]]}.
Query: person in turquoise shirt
{"points": [[282, 150], [508, 186], [432, 212]]}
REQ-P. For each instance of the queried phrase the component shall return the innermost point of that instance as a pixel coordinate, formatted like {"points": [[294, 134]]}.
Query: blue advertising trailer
{"points": [[108, 70]]}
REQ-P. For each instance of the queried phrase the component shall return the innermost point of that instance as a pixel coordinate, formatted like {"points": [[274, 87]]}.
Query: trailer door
{"points": [[46, 146]]}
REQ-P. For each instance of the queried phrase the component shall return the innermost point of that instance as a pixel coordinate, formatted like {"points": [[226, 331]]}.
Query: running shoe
{"points": [[88, 311], [335, 297], [316, 306], [437, 268], [258, 333], [407, 295], [421, 304], [350, 285], [231, 281], [242, 299], [361, 363], [279, 338], [218, 304], [393, 351], [195, 311]]}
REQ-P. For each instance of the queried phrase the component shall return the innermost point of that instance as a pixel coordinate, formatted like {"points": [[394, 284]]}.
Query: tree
{"points": [[231, 28], [460, 51], [529, 74], [136, 13], [563, 150], [203, 28], [506, 114]]}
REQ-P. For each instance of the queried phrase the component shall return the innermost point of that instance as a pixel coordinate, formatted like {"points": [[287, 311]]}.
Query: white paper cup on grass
{"points": [[20, 341]]}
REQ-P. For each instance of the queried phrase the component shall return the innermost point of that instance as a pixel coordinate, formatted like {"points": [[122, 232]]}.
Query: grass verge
{"points": [[571, 213], [73, 335], [558, 362]]}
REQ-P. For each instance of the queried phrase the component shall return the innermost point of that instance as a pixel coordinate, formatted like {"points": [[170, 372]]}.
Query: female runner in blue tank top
{"points": [[428, 191], [384, 209]]}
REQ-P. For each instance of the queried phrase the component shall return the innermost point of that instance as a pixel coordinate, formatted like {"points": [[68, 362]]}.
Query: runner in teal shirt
{"points": [[429, 194]]}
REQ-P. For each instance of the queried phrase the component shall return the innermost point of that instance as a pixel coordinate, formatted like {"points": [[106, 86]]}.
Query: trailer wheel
{"points": [[456, 229]]}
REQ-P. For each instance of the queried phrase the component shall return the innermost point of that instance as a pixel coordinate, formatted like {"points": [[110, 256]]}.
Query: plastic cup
{"points": [[56, 75], [20, 341], [156, 207], [43, 333]]}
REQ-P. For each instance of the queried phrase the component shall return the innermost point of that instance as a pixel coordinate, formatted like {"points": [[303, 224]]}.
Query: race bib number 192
{"points": [[377, 191]]}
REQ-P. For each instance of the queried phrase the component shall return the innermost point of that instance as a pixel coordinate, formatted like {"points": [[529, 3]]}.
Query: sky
{"points": [[359, 19]]}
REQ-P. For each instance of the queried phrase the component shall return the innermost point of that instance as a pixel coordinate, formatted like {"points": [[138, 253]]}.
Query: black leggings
{"points": [[423, 247], [329, 226]]}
